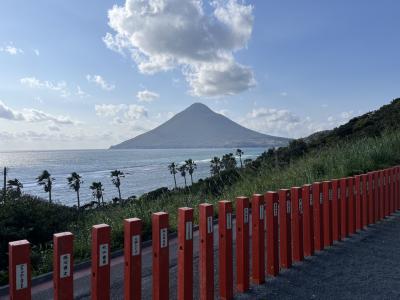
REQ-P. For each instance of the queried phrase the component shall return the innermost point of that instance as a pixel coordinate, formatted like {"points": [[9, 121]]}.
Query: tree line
{"points": [[75, 180]]}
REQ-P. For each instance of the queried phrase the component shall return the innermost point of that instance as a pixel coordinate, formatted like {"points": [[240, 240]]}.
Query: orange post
{"points": [[382, 199], [101, 241], [387, 191], [19, 270], [133, 259], [297, 223], [318, 216], [396, 188], [63, 266], [206, 264], [242, 243], [370, 197], [225, 250], [327, 198], [308, 220], [351, 206], [258, 235], [336, 236], [160, 225], [364, 200], [272, 233], [377, 195], [344, 192], [285, 230], [394, 175], [185, 253], [391, 199], [358, 195]]}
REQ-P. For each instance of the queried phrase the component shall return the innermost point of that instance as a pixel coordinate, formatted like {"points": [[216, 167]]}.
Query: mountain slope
{"points": [[200, 127], [374, 123]]}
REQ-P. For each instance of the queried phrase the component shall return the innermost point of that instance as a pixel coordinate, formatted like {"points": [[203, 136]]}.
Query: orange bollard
{"points": [[19, 270], [351, 206], [394, 176], [160, 225], [308, 220], [242, 243], [377, 195], [258, 242], [185, 253], [63, 266], [370, 198], [382, 199], [386, 196], [391, 191], [396, 188], [297, 223], [327, 211], [272, 233], [101, 241], [133, 259], [358, 200], [364, 201], [285, 231], [318, 216], [206, 264], [344, 208], [336, 210], [225, 250]]}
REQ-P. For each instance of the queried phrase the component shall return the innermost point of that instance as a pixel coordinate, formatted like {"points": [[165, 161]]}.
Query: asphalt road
{"points": [[364, 266]]}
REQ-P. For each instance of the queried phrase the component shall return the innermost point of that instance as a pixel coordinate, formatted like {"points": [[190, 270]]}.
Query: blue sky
{"points": [[88, 74]]}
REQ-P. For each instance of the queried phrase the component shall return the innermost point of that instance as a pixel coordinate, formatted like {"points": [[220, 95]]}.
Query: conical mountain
{"points": [[199, 127]]}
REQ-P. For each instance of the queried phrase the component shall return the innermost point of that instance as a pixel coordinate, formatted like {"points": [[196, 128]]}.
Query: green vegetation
{"points": [[358, 150]]}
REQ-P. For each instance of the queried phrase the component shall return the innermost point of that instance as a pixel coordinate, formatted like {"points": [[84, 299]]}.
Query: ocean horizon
{"points": [[145, 169]]}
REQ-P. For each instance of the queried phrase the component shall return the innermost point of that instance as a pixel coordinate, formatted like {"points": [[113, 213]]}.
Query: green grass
{"points": [[340, 160]]}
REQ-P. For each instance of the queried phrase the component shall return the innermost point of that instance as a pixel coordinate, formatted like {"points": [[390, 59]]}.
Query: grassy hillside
{"points": [[353, 148]]}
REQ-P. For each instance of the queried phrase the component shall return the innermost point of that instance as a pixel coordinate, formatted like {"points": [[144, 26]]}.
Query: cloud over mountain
{"points": [[161, 35]]}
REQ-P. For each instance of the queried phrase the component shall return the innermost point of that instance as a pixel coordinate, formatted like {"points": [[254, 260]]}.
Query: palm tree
{"points": [[190, 167], [97, 191], [182, 169], [215, 166], [228, 161], [172, 169], [15, 184], [239, 153], [46, 180], [74, 182], [116, 176]]}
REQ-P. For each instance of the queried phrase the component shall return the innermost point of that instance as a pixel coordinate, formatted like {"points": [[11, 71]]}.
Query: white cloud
{"points": [[33, 116], [161, 35], [132, 117], [11, 49], [147, 96], [81, 93], [124, 112], [36, 51], [135, 112], [98, 80], [10, 114], [108, 110], [284, 94], [60, 86], [282, 122]]}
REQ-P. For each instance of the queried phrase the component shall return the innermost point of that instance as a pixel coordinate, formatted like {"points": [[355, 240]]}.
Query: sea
{"points": [[145, 170]]}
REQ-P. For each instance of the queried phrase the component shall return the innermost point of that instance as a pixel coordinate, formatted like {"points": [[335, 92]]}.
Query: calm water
{"points": [[144, 170]]}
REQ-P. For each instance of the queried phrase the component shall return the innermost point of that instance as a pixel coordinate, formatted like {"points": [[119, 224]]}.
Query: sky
{"points": [[90, 74]]}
